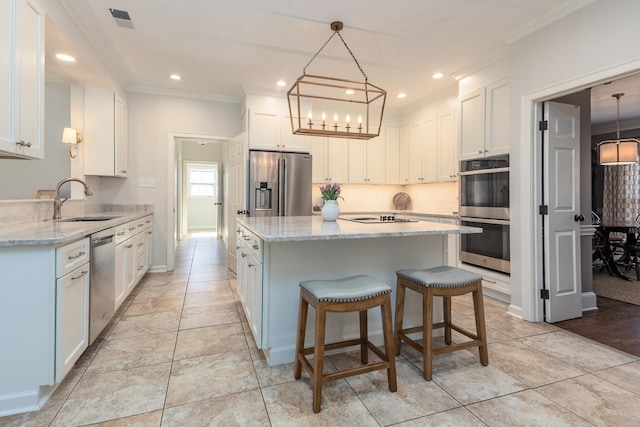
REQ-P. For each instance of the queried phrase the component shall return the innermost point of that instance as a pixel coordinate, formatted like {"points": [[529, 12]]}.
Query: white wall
{"points": [[590, 45], [151, 118]]}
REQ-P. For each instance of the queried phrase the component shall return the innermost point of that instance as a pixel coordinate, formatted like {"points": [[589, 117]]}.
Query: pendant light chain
{"points": [[304, 70], [618, 116]]}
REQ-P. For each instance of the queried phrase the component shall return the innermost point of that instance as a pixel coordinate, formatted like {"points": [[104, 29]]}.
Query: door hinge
{"points": [[544, 293], [543, 125], [544, 210]]}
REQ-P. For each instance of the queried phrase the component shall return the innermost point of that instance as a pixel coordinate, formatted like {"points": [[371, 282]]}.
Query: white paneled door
{"points": [[203, 195], [562, 224]]}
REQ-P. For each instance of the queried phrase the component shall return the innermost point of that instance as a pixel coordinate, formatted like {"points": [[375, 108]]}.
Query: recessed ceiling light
{"points": [[175, 77], [349, 92], [438, 76], [401, 95], [281, 83], [65, 57]]}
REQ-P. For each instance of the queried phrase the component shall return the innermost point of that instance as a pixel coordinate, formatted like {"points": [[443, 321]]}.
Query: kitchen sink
{"points": [[89, 218]]}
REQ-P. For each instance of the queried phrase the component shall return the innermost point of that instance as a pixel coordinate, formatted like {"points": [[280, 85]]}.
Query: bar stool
{"points": [[356, 293], [445, 282]]}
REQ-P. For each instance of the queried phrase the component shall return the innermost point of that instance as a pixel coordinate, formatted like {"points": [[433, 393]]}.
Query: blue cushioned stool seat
{"points": [[445, 282], [355, 293]]}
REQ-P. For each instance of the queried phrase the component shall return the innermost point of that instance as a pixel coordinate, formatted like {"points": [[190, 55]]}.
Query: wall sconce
{"points": [[71, 137]]}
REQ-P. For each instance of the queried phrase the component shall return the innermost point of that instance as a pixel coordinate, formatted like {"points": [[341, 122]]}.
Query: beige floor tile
{"points": [[251, 343], [625, 376], [154, 305], [595, 400], [279, 374], [243, 317], [125, 353], [534, 368], [240, 409], [205, 277], [206, 377], [290, 404], [106, 396], [527, 408], [459, 417], [209, 286], [210, 340], [204, 269], [514, 327], [163, 281], [199, 317], [149, 419], [577, 351], [415, 396], [90, 353], [469, 323], [146, 324], [207, 299], [151, 291]]}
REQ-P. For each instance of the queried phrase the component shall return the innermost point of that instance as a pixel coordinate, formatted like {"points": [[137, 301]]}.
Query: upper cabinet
{"points": [[484, 121], [271, 130], [105, 133], [447, 147], [329, 160], [21, 79], [367, 160]]}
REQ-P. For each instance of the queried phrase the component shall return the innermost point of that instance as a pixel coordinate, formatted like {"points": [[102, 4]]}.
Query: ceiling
{"points": [[222, 47]]}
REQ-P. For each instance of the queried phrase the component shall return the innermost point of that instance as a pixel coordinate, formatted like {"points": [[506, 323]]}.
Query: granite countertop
{"points": [[49, 232], [304, 228]]}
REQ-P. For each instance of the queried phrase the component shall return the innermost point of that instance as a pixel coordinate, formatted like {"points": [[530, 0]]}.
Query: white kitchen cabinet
{"points": [[422, 152], [250, 277], [392, 156], [329, 161], [447, 148], [21, 79], [121, 281], [367, 163], [139, 242], [453, 239], [404, 154], [291, 142], [271, 130], [105, 133], [484, 121], [134, 243]]}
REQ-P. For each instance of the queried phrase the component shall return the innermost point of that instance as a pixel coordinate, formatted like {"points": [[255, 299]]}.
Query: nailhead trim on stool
{"points": [[445, 282], [355, 293]]}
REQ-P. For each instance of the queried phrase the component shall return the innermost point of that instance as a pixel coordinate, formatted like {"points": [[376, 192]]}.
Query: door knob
{"points": [[577, 218]]}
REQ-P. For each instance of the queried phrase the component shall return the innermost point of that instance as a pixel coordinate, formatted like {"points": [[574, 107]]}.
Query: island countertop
{"points": [[305, 228]]}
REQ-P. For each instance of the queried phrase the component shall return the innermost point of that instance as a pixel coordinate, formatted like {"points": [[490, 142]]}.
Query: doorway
{"points": [[201, 198]]}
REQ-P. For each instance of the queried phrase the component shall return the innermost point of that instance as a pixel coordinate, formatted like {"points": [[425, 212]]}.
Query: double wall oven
{"points": [[484, 203]]}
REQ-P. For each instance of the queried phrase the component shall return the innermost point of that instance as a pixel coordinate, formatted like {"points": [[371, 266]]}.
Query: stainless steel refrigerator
{"points": [[279, 184]]}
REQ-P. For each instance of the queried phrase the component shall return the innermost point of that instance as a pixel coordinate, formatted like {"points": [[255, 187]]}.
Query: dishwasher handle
{"points": [[101, 241]]}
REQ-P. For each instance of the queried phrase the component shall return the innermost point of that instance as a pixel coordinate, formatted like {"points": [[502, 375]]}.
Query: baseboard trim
{"points": [[589, 301], [515, 311], [158, 269]]}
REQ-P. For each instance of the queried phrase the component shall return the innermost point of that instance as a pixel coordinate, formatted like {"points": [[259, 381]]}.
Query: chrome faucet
{"points": [[57, 202]]}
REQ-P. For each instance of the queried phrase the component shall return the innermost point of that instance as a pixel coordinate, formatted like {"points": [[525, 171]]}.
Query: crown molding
{"points": [[610, 127], [486, 62], [184, 94]]}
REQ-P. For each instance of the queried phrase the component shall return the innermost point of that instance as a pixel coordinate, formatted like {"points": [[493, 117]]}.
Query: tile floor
{"points": [[178, 353]]}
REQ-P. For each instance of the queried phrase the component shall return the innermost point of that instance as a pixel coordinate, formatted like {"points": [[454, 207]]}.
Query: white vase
{"points": [[330, 211]]}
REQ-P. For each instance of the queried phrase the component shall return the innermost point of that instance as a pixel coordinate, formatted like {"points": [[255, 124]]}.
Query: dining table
{"points": [[630, 228]]}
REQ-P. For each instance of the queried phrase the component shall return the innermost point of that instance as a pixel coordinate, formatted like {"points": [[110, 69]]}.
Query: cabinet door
{"points": [[141, 255], [430, 151], [498, 108], [148, 249], [121, 138], [242, 275], [72, 319], [264, 131], [376, 162], [129, 265], [452, 242], [99, 131], [416, 142], [121, 283], [319, 160], [404, 135], [7, 143], [338, 160], [254, 298], [392, 156], [472, 126], [447, 162], [357, 161], [291, 142]]}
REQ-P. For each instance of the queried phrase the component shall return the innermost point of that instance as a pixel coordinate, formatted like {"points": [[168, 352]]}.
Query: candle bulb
{"points": [[348, 123], [309, 115], [324, 120], [359, 123], [335, 122]]}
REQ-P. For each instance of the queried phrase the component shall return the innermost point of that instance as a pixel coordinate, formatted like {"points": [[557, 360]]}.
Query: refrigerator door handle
{"points": [[281, 185]]}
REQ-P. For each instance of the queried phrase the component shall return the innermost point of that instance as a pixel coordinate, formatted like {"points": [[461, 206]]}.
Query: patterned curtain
{"points": [[621, 198]]}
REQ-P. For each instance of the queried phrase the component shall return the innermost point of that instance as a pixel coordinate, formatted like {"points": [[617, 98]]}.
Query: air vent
{"points": [[122, 18]]}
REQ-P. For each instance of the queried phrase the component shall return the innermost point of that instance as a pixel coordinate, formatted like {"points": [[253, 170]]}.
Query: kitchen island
{"points": [[276, 253]]}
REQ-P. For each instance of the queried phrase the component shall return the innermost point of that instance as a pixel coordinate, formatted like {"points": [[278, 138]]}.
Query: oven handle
{"points": [[484, 171], [485, 220]]}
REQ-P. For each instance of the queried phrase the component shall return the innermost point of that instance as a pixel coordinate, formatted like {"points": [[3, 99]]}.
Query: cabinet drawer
{"points": [[71, 256], [122, 233], [251, 243]]}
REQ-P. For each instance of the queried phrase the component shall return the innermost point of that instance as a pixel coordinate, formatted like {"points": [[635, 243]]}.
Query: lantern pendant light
{"points": [[619, 151]]}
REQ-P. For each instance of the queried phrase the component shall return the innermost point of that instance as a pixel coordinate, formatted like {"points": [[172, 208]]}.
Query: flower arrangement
{"points": [[330, 192]]}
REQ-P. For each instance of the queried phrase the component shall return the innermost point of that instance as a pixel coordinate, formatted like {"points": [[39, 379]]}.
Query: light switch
{"points": [[147, 182]]}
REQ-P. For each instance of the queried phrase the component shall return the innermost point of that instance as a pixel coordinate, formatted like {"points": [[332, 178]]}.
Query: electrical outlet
{"points": [[147, 182]]}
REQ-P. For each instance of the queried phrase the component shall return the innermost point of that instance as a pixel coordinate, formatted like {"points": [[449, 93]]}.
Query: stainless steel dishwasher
{"points": [[102, 287]]}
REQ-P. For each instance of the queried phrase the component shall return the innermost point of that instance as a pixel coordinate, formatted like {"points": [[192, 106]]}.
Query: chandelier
{"points": [[619, 151], [335, 107]]}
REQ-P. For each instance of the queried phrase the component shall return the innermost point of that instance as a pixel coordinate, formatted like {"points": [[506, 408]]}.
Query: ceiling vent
{"points": [[122, 18]]}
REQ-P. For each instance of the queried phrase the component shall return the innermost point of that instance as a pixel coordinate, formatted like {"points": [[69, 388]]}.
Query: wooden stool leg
{"points": [[364, 334], [446, 308], [427, 328], [478, 306], [388, 343], [302, 329], [321, 317], [400, 291]]}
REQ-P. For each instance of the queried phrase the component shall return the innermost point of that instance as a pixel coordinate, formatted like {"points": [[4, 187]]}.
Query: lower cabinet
{"points": [[250, 280], [133, 256], [72, 319]]}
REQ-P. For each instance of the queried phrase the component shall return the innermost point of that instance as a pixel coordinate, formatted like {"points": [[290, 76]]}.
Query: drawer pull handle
{"points": [[147, 221], [140, 244], [122, 233], [140, 267], [250, 265], [149, 232], [129, 246], [247, 238], [78, 255], [132, 228], [255, 247], [82, 274], [140, 225], [243, 255], [23, 144], [238, 247], [489, 281]]}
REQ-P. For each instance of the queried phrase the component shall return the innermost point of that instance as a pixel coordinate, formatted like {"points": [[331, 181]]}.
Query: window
{"points": [[203, 182]]}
